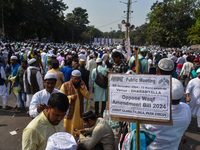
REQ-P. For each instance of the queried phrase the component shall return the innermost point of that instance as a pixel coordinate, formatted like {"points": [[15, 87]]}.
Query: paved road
{"points": [[9, 121]]}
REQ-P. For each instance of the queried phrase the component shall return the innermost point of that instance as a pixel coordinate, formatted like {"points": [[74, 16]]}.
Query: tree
{"points": [[169, 21], [25, 19], [77, 21], [194, 31], [139, 35]]}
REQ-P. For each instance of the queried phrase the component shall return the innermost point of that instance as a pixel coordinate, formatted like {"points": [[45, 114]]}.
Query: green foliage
{"points": [[169, 21], [77, 21], [139, 35], [194, 31], [24, 19]]}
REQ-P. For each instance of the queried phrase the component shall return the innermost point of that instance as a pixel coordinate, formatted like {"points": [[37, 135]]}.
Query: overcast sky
{"points": [[107, 14]]}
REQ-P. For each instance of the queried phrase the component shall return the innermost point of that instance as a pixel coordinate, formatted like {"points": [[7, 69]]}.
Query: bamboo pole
{"points": [[137, 121]]}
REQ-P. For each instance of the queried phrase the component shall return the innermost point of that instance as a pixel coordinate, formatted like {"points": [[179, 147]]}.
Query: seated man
{"points": [[100, 133], [40, 99], [169, 137], [37, 132]]}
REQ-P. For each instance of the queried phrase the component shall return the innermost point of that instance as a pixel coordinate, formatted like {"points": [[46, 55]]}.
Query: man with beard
{"points": [[14, 69], [33, 81], [76, 91], [40, 99], [37, 132]]}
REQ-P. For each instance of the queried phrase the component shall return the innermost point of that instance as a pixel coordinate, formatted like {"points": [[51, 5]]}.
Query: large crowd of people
{"points": [[52, 82]]}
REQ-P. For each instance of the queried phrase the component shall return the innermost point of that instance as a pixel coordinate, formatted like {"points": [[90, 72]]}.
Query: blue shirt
{"points": [[67, 72], [14, 70]]}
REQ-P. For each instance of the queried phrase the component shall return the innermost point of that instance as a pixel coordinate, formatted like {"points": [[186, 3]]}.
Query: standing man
{"points": [[40, 99], [61, 58], [14, 69], [76, 90], [33, 80], [59, 74], [169, 137], [67, 70], [21, 95], [37, 132], [185, 72], [193, 97], [3, 86], [180, 61], [100, 94], [85, 76], [92, 63]]}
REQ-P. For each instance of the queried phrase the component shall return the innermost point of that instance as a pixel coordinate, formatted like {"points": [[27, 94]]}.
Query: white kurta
{"points": [[41, 97], [3, 88], [91, 65], [193, 88], [169, 137], [40, 84]]}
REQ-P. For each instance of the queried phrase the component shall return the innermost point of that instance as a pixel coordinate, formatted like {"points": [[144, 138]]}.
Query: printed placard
{"points": [[143, 97]]}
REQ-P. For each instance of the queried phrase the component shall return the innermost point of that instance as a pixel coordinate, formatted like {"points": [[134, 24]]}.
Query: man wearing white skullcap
{"points": [[76, 91], [40, 99], [22, 55], [193, 96], [57, 72], [92, 63], [15, 65], [33, 81], [61, 141], [169, 137], [3, 94]]}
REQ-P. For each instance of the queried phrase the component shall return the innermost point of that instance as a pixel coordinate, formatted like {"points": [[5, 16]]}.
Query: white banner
{"points": [[140, 96]]}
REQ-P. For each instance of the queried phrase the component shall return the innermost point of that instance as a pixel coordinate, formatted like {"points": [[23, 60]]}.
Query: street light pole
{"points": [[3, 32], [127, 18]]}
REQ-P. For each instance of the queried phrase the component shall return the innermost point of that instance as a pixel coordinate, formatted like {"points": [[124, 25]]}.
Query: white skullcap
{"points": [[23, 50], [73, 52], [166, 64], [76, 73], [198, 70], [53, 55], [117, 50], [119, 47], [177, 89], [98, 60], [14, 57], [16, 53], [61, 141], [130, 72], [31, 61], [50, 76]]}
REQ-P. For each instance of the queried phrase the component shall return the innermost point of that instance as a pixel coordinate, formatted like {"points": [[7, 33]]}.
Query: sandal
{"points": [[8, 107]]}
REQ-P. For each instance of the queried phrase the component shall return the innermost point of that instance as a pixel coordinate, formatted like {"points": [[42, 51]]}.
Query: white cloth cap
{"points": [[166, 64], [14, 57], [130, 72], [76, 73], [49, 76], [177, 89], [31, 61], [16, 53], [198, 70], [98, 60], [61, 141]]}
